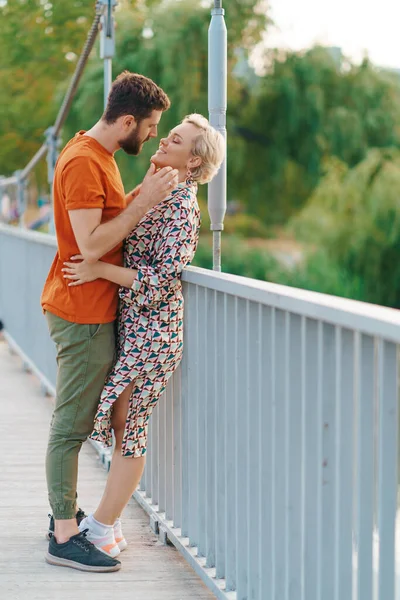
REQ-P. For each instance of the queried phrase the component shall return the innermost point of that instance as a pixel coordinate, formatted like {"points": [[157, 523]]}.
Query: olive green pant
{"points": [[85, 355]]}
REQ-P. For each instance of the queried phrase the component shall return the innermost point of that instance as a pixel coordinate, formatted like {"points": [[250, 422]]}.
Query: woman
{"points": [[150, 340]]}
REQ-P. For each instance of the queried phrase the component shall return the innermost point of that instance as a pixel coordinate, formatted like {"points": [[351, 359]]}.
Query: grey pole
{"points": [[21, 188], [217, 104], [52, 144], [107, 43]]}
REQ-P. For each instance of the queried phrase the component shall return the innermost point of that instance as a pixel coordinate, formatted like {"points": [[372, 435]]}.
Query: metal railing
{"points": [[273, 455]]}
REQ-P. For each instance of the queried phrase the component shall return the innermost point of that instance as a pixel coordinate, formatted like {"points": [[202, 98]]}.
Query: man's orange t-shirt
{"points": [[86, 176]]}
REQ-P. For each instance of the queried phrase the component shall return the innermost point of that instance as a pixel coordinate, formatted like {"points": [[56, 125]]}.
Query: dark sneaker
{"points": [[80, 515], [79, 553]]}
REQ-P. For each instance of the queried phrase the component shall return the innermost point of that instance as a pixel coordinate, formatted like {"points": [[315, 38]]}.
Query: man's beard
{"points": [[132, 144]]}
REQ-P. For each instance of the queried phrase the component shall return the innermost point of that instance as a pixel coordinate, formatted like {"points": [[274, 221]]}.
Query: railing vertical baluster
{"points": [[242, 446], [344, 465], [388, 467], [319, 453], [294, 436], [155, 457], [201, 393], [230, 375], [185, 396], [194, 382], [210, 455], [169, 454], [177, 447], [266, 396], [149, 462], [311, 423], [254, 507], [365, 487], [280, 453], [220, 432], [162, 450], [328, 484], [303, 491]]}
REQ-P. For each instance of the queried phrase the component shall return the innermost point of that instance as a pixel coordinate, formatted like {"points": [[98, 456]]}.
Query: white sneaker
{"points": [[119, 536], [106, 542]]}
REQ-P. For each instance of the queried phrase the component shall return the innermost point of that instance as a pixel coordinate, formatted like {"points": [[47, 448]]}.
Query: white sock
{"points": [[98, 528]]}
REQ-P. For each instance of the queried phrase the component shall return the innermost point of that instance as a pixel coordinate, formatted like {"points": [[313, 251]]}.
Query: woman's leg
{"points": [[125, 472]]}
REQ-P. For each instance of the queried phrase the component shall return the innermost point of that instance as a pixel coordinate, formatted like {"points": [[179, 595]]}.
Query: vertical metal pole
{"points": [[52, 144], [3, 215], [217, 104], [20, 197], [107, 78], [107, 43]]}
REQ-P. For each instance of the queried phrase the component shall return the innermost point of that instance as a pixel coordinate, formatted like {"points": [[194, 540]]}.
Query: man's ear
{"points": [[127, 121]]}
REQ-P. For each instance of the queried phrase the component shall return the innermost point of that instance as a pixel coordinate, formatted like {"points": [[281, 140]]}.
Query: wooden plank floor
{"points": [[149, 570]]}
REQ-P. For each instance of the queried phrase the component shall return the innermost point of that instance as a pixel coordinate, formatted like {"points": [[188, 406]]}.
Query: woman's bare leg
{"points": [[125, 472]]}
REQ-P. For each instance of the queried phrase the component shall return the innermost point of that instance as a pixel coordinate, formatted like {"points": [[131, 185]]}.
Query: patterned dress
{"points": [[150, 324]]}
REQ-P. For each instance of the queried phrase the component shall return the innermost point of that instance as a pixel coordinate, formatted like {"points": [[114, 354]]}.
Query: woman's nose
{"points": [[163, 141]]}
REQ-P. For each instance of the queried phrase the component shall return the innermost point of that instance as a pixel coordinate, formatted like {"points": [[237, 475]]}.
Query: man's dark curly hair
{"points": [[134, 94]]}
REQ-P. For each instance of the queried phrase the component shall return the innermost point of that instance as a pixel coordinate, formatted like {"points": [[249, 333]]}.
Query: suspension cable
{"points": [[91, 38], [70, 93]]}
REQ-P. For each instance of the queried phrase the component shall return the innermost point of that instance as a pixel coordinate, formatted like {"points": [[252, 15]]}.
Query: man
{"points": [[92, 217]]}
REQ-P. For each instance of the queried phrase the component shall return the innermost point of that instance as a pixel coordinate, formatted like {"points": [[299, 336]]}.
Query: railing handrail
{"points": [[371, 319], [28, 234], [367, 318]]}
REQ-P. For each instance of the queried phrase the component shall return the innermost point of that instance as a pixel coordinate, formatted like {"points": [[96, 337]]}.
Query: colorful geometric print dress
{"points": [[150, 324]]}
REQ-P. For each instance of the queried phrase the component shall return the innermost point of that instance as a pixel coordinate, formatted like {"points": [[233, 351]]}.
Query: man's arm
{"points": [[130, 196], [95, 239]]}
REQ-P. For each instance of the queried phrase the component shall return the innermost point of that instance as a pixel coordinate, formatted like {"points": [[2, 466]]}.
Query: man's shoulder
{"points": [[79, 155]]}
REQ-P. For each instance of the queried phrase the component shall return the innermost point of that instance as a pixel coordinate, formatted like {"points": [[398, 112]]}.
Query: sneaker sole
{"points": [[122, 545], [113, 554], [63, 562]]}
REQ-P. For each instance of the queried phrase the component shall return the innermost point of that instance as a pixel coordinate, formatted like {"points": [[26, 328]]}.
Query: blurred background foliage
{"points": [[313, 140]]}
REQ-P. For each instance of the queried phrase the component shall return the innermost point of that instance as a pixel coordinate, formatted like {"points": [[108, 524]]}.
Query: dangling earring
{"points": [[189, 177]]}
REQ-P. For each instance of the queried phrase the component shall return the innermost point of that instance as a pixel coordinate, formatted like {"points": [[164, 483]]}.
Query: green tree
{"points": [[353, 217], [37, 42], [307, 108]]}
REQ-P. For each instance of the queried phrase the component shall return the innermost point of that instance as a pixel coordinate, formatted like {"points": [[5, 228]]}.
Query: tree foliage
{"points": [[354, 216], [36, 40], [308, 108]]}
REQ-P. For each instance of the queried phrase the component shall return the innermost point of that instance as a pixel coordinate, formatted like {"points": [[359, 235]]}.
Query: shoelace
{"points": [[82, 541]]}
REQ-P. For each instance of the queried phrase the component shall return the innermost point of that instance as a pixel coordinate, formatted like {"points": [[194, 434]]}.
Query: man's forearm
{"points": [[107, 235]]}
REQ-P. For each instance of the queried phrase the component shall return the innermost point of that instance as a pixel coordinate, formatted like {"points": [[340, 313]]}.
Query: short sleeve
{"points": [[82, 186]]}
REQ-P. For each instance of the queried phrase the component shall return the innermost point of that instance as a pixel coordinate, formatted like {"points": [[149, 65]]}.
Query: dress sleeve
{"points": [[82, 184], [174, 251]]}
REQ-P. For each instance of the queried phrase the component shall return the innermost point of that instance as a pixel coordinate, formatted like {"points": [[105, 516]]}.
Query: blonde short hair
{"points": [[209, 145]]}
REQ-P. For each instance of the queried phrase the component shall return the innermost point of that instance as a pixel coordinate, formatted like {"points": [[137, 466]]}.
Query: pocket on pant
{"points": [[94, 329]]}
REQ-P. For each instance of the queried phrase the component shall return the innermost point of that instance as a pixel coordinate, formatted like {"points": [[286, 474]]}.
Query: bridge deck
{"points": [[149, 569]]}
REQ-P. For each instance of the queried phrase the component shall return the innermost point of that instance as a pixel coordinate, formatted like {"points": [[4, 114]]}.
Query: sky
{"points": [[356, 26]]}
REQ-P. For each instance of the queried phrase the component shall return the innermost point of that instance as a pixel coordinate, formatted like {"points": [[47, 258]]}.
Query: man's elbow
{"points": [[90, 256]]}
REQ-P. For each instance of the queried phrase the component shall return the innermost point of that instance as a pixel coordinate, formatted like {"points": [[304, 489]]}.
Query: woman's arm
{"points": [[83, 272], [121, 275], [176, 248]]}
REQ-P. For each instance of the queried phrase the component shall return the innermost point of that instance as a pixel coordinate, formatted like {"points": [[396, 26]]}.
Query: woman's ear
{"points": [[195, 161]]}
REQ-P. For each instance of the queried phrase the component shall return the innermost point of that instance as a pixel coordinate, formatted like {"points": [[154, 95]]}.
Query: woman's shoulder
{"points": [[183, 197]]}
